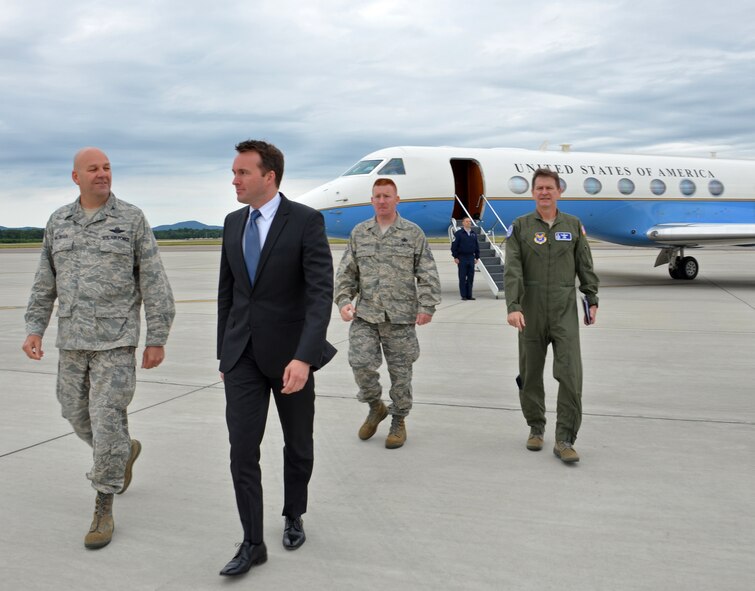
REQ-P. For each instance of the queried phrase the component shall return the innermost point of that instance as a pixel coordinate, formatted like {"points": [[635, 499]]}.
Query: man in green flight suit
{"points": [[545, 250]]}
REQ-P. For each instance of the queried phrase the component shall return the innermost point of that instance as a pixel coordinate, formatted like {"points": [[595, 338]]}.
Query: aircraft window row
{"points": [[592, 186]]}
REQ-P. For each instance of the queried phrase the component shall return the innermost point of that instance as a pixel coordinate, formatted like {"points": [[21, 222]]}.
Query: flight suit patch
{"points": [[564, 236], [540, 238]]}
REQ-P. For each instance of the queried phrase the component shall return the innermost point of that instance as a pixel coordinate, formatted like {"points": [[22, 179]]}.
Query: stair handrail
{"points": [[499, 221]]}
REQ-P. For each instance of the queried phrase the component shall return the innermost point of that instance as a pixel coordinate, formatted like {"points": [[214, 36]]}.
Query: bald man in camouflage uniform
{"points": [[100, 261], [389, 268]]}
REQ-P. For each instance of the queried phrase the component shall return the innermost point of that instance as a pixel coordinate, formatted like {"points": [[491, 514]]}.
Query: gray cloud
{"points": [[167, 88]]}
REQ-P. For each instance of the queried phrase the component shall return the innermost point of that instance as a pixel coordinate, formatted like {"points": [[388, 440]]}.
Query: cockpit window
{"points": [[362, 167], [394, 166]]}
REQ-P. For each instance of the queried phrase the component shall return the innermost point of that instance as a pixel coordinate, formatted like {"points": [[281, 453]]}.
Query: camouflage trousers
{"points": [[401, 349], [94, 390]]}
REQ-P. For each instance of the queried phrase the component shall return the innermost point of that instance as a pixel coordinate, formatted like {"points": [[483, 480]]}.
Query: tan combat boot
{"points": [[564, 451], [535, 440], [397, 434], [101, 531], [136, 449], [378, 412]]}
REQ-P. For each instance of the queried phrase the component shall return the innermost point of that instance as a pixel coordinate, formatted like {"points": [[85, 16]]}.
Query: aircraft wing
{"points": [[693, 234]]}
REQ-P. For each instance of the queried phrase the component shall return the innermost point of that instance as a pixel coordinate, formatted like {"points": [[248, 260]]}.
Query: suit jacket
{"points": [[286, 313]]}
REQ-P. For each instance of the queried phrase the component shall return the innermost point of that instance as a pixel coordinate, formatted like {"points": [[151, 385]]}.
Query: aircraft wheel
{"points": [[676, 272], [689, 268]]}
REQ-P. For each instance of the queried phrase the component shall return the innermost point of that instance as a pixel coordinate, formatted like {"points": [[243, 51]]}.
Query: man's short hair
{"points": [[546, 172], [271, 158], [382, 181]]}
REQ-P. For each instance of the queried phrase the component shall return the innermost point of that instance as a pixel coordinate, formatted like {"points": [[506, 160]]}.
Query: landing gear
{"points": [[683, 268], [679, 266]]}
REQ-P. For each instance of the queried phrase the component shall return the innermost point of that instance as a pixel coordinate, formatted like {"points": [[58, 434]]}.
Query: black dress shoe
{"points": [[293, 533], [249, 555], [471, 298]]}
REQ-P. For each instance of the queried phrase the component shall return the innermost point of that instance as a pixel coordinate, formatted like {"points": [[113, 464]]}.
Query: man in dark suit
{"points": [[274, 305]]}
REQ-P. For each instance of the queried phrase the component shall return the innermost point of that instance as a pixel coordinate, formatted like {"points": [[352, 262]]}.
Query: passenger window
{"points": [[657, 187], [716, 187], [592, 186], [626, 186], [687, 187], [518, 185]]}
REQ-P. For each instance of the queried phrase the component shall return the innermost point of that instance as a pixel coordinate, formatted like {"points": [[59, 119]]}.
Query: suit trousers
{"points": [[247, 392]]}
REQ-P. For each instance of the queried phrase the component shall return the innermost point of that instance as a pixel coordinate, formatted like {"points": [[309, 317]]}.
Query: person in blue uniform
{"points": [[466, 252]]}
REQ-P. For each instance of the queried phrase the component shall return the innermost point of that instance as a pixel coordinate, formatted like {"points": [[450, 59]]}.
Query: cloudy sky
{"points": [[167, 87]]}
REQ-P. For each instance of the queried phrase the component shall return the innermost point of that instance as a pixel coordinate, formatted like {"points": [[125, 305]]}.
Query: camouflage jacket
{"points": [[392, 275], [100, 270]]}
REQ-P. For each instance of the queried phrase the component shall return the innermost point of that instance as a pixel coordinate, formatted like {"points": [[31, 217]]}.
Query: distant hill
{"points": [[24, 228], [190, 225]]}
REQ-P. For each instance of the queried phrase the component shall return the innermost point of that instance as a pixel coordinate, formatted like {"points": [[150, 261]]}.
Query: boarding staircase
{"points": [[490, 265]]}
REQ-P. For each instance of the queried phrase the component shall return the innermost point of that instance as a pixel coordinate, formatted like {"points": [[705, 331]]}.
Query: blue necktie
{"points": [[252, 246]]}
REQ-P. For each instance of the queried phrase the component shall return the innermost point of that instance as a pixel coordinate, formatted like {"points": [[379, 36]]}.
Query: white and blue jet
{"points": [[668, 203]]}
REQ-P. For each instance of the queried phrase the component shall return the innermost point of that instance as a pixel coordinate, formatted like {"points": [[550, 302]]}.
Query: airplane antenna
{"points": [[566, 147]]}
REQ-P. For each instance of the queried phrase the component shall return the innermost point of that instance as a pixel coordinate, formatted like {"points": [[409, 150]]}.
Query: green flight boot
{"points": [[101, 531], [378, 412], [397, 435]]}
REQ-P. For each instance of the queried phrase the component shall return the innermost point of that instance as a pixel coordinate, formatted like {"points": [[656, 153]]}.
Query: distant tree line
{"points": [[186, 234], [36, 235], [14, 236]]}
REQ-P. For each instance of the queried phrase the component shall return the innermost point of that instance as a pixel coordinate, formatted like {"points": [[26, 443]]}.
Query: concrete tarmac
{"points": [[662, 499]]}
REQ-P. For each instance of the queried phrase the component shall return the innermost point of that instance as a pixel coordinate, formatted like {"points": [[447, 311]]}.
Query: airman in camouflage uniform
{"points": [[545, 251], [100, 261], [389, 268]]}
